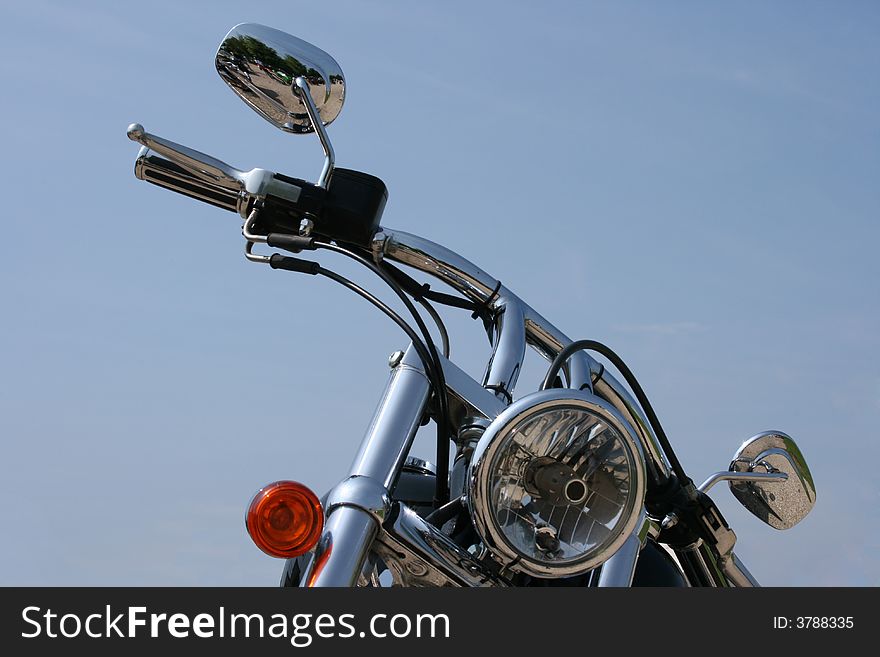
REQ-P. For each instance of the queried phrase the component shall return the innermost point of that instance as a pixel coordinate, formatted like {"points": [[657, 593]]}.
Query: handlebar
{"points": [[347, 210]]}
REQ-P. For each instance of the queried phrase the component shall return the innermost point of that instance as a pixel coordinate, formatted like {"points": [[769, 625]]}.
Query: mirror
{"points": [[781, 504], [260, 64]]}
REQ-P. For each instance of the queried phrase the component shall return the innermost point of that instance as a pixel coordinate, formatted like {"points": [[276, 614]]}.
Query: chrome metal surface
{"points": [[418, 554], [467, 397], [438, 261], [737, 573], [250, 185], [399, 414], [669, 521], [350, 529], [247, 229], [360, 492], [161, 171], [478, 286], [508, 424], [764, 477], [509, 349], [301, 87], [199, 164], [342, 550], [780, 505], [260, 64], [619, 569], [395, 358], [255, 257]]}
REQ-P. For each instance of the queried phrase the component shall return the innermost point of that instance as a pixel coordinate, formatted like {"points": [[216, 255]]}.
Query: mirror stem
{"points": [[741, 476], [300, 87]]}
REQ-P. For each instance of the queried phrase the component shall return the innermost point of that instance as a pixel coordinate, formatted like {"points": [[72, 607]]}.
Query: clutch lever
{"points": [[200, 165], [250, 186]]}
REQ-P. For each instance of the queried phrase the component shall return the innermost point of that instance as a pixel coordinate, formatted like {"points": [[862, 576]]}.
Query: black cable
{"points": [[439, 380], [441, 327], [354, 287], [633, 383], [423, 291]]}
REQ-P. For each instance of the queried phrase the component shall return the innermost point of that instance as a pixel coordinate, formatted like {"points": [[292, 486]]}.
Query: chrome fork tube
{"points": [[356, 507], [340, 554], [618, 571], [394, 425], [737, 573]]}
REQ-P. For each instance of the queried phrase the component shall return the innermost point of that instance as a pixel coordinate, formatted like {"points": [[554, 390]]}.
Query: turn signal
{"points": [[285, 519]]}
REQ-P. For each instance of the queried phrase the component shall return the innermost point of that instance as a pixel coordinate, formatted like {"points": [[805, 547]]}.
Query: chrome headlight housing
{"points": [[556, 483]]}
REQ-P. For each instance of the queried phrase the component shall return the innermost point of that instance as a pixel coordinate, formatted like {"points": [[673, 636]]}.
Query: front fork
{"points": [[356, 507]]}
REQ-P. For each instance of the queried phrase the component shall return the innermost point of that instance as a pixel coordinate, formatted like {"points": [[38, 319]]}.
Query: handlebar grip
{"points": [[163, 172]]}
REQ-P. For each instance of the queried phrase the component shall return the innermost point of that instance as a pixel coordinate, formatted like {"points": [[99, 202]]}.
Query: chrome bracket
{"points": [[255, 257], [252, 239]]}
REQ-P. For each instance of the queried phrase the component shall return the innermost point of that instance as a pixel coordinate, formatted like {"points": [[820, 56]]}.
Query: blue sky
{"points": [[694, 184]]}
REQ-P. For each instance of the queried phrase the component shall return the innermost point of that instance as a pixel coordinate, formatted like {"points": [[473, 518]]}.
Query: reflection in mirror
{"points": [[260, 63], [781, 504]]}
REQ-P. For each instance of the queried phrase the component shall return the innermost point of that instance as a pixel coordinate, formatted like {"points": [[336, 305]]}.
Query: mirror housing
{"points": [[260, 64], [781, 503]]}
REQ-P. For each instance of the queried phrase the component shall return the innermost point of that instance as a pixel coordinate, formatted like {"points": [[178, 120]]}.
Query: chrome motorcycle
{"points": [[573, 484]]}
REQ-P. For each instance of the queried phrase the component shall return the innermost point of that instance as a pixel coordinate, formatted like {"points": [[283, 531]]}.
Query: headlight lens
{"points": [[556, 483]]}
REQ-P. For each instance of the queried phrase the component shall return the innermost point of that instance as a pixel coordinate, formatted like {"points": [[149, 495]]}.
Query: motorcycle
{"points": [[573, 484]]}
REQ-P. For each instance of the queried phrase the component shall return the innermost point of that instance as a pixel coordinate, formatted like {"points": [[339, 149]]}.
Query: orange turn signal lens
{"points": [[285, 519]]}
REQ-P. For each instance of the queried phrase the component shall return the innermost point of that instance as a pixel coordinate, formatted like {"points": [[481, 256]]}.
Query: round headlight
{"points": [[556, 483]]}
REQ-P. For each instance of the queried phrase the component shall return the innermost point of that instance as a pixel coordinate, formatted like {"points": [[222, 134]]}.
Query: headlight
{"points": [[556, 483]]}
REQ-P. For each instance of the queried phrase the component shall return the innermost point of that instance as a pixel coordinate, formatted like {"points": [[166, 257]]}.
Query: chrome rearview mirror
{"points": [[261, 65], [770, 477]]}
